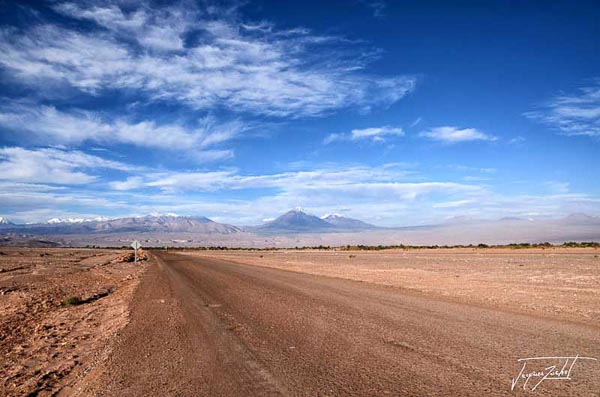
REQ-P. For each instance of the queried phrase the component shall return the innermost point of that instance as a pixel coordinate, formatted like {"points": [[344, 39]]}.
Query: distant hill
{"points": [[23, 240], [341, 222], [579, 218]]}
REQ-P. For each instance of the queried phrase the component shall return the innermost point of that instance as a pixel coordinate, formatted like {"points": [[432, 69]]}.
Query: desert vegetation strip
{"points": [[361, 247]]}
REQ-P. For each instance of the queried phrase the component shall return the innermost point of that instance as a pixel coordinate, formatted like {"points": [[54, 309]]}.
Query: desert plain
{"points": [[88, 322]]}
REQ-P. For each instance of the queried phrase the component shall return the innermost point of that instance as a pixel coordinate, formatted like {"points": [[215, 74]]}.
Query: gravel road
{"points": [[204, 327]]}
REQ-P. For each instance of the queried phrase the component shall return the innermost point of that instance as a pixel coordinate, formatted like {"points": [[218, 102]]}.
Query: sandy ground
{"points": [[298, 323], [202, 326], [555, 282], [46, 345]]}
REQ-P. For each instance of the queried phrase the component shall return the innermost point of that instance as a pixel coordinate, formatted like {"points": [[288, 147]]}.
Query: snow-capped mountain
{"points": [[298, 221], [55, 221], [159, 214], [295, 221], [5, 221], [166, 223], [135, 224]]}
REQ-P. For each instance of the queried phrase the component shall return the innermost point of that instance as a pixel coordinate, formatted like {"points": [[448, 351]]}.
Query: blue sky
{"points": [[397, 113]]}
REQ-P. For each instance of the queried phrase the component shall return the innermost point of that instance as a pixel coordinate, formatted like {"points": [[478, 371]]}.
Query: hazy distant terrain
{"points": [[297, 229]]}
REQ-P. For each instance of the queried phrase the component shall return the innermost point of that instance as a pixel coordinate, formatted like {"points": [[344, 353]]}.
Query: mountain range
{"points": [[295, 228], [143, 224], [294, 221]]}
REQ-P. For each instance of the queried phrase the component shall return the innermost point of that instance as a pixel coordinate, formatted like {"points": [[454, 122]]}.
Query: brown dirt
{"points": [[203, 326], [560, 283], [46, 344]]}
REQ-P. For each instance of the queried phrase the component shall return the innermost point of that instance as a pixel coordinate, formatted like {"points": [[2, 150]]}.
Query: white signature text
{"points": [[535, 370]]}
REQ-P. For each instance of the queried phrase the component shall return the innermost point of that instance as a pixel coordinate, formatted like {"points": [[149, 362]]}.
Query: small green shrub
{"points": [[71, 301]]}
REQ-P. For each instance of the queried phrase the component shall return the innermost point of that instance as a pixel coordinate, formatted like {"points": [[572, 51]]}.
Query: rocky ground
{"points": [[60, 310]]}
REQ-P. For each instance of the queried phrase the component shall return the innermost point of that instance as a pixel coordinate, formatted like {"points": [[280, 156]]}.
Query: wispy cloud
{"points": [[455, 135], [377, 6], [225, 63], [416, 122], [38, 202], [160, 30], [311, 179], [558, 187], [52, 166], [377, 134], [385, 183], [47, 125], [387, 195], [327, 189], [517, 141], [574, 114]]}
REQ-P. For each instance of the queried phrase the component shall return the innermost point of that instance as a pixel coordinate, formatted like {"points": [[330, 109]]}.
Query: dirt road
{"points": [[202, 326]]}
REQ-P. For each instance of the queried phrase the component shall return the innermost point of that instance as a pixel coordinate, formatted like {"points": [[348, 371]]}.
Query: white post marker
{"points": [[135, 245]]}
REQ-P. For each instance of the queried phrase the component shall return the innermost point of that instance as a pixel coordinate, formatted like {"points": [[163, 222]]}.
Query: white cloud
{"points": [[47, 125], [453, 204], [191, 181], [161, 30], [207, 156], [229, 64], [37, 203], [456, 135], [385, 195], [577, 114], [334, 137], [372, 193], [428, 203], [47, 56], [376, 134], [52, 166], [325, 178], [357, 184], [133, 182]]}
